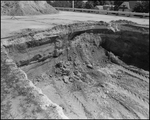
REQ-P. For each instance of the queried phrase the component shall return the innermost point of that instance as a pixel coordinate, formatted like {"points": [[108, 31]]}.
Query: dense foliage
{"points": [[139, 7], [58, 3], [142, 7]]}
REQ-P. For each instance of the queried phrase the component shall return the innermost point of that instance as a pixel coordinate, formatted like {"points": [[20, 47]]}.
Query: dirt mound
{"points": [[22, 8], [89, 69]]}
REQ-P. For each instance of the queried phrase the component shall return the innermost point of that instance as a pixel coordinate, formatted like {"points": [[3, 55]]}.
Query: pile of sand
{"points": [[22, 8]]}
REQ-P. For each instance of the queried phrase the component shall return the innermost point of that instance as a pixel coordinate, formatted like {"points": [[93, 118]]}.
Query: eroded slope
{"points": [[91, 70]]}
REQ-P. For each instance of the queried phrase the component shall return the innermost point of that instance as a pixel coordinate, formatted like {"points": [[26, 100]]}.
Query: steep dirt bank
{"points": [[85, 67], [20, 98], [130, 43], [22, 8]]}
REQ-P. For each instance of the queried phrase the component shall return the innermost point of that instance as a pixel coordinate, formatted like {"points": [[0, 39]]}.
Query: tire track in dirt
{"points": [[123, 105], [72, 101], [85, 106], [64, 95], [135, 75], [111, 107], [133, 84], [139, 96], [142, 107], [130, 72], [142, 101]]}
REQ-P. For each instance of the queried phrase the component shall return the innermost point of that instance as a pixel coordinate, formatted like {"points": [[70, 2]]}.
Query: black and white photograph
{"points": [[75, 59]]}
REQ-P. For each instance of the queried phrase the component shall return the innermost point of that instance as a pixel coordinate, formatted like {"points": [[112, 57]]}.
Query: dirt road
{"points": [[48, 21]]}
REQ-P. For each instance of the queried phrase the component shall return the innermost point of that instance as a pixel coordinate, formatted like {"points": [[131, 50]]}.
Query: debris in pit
{"points": [[89, 66], [85, 82]]}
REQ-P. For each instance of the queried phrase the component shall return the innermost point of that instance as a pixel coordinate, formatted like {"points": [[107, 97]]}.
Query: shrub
{"points": [[142, 7]]}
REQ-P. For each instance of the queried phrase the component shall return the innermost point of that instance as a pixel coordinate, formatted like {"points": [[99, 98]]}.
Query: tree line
{"points": [[142, 6]]}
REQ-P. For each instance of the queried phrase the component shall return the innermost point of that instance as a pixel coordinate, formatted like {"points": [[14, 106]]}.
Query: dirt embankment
{"points": [[129, 42], [91, 70], [22, 8]]}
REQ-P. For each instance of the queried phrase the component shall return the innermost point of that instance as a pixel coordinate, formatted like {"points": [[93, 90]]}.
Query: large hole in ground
{"points": [[73, 55], [130, 44]]}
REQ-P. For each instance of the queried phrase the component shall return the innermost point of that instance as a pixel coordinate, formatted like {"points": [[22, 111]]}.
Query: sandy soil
{"points": [[75, 75], [48, 21], [23, 8]]}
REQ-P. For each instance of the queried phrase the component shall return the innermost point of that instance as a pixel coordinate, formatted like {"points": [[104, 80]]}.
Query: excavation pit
{"points": [[36, 56], [91, 70]]}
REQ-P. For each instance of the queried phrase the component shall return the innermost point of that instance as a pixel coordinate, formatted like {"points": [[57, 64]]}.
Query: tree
{"points": [[142, 7], [89, 5], [96, 3], [60, 3], [107, 2], [79, 4], [101, 2], [117, 4]]}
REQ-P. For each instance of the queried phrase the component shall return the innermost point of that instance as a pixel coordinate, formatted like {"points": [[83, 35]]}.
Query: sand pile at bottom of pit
{"points": [[22, 8]]}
